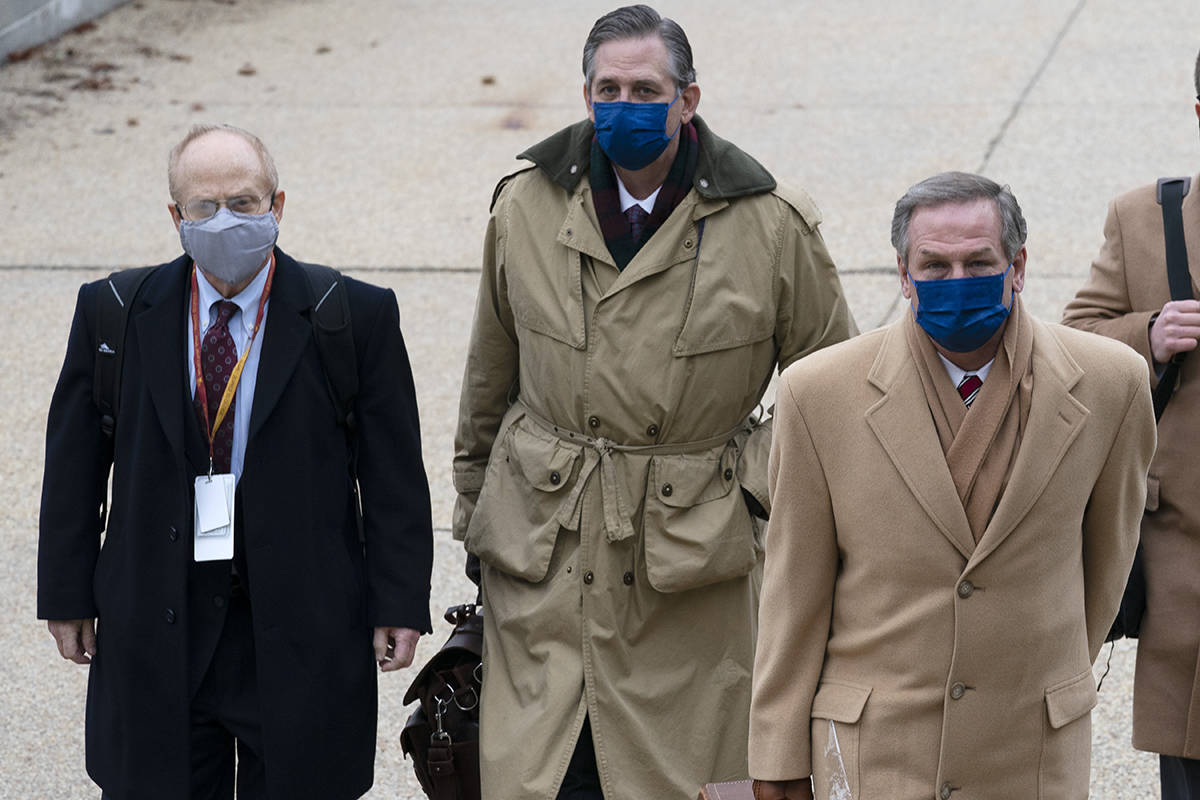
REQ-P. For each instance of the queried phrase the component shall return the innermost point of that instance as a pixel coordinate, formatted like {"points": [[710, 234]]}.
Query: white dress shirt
{"points": [[241, 325], [628, 200], [957, 373]]}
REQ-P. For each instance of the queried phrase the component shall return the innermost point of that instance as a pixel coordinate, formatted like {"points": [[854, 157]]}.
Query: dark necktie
{"points": [[637, 217], [969, 387], [218, 355]]}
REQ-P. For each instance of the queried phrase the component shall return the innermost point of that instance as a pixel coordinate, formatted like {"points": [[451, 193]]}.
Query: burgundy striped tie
{"points": [[969, 387], [218, 355]]}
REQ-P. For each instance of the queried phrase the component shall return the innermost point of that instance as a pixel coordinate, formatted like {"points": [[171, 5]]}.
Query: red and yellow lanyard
{"points": [[236, 375]]}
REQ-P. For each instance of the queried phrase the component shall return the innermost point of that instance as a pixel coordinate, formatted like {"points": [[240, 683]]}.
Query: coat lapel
{"points": [[901, 422], [286, 334], [158, 321], [1191, 232], [1055, 419]]}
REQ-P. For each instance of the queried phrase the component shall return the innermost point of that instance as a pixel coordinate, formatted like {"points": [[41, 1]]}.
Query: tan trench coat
{"points": [[1127, 284], [949, 669], [603, 445]]}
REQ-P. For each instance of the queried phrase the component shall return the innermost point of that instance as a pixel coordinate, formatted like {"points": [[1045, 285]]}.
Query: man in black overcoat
{"points": [[266, 647]]}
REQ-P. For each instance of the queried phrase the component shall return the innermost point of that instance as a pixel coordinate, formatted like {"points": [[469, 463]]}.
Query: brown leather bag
{"points": [[442, 734]]}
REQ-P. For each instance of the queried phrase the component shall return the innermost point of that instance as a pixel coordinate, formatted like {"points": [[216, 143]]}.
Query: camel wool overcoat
{"points": [[605, 439], [1126, 287], [897, 656]]}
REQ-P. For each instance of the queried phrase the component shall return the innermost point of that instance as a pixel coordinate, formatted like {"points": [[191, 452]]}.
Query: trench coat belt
{"points": [[597, 451]]}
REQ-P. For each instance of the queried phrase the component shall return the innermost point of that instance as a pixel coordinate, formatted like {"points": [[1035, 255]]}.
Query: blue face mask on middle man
{"points": [[961, 314], [632, 135]]}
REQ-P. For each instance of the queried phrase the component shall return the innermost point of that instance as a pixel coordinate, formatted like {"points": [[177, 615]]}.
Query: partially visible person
{"points": [[954, 511], [642, 280], [239, 650], [1127, 297]]}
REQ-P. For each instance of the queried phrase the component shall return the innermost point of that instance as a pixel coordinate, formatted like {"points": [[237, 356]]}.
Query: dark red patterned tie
{"points": [[218, 355], [637, 217], [969, 387]]}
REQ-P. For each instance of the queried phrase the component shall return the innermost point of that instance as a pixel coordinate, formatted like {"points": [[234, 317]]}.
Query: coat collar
{"points": [[911, 442], [723, 171], [158, 316]]}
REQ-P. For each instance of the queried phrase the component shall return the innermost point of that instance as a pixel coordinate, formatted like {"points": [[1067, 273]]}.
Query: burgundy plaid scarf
{"points": [[613, 222]]}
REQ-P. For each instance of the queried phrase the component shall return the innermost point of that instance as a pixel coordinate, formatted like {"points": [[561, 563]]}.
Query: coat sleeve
{"points": [[397, 522], [490, 378], [74, 483], [797, 601], [1102, 305], [1112, 521], [811, 313]]}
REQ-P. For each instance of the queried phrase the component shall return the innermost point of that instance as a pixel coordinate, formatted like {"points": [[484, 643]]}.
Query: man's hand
{"points": [[394, 647], [76, 638], [783, 790], [1176, 330]]}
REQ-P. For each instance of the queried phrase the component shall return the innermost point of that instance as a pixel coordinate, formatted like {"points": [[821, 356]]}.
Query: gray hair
{"points": [[1198, 76], [959, 187], [264, 155], [638, 22]]}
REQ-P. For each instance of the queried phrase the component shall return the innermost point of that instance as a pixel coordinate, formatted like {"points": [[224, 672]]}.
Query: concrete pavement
{"points": [[391, 123]]}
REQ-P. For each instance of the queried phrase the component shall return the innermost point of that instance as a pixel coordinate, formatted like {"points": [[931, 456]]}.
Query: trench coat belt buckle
{"points": [[597, 451]]}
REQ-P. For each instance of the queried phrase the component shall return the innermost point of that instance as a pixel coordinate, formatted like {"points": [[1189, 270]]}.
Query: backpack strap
{"points": [[114, 298], [1170, 193], [333, 333]]}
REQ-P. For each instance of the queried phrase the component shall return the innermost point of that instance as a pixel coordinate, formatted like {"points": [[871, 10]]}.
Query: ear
{"points": [[587, 101], [174, 209], [1018, 268], [906, 287], [690, 99], [277, 206]]}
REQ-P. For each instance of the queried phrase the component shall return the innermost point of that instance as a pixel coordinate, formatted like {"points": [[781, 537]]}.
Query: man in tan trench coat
{"points": [[607, 457], [1127, 297], [954, 510]]}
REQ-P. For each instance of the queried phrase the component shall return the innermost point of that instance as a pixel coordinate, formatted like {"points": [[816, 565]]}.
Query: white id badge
{"points": [[213, 524]]}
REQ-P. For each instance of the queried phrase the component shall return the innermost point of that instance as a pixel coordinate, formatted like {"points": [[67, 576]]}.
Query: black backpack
{"points": [[1171, 192]]}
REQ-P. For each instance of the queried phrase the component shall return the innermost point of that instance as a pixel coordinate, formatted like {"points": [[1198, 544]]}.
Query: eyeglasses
{"points": [[197, 210]]}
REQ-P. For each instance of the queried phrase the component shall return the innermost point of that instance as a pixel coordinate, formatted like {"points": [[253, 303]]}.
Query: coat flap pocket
{"points": [[1152, 493], [545, 462], [1070, 700], [840, 702], [684, 481]]}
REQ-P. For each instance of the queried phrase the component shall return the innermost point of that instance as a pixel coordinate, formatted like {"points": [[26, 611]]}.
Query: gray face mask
{"points": [[228, 246]]}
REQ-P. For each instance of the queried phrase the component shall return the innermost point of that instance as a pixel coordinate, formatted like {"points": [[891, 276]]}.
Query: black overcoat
{"points": [[315, 590]]}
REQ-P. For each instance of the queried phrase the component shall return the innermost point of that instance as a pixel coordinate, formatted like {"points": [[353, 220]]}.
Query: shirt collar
{"points": [[957, 373], [246, 300], [628, 200]]}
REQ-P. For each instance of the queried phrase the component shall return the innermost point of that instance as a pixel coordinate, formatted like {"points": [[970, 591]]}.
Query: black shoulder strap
{"points": [[1171, 192], [113, 301], [335, 338]]}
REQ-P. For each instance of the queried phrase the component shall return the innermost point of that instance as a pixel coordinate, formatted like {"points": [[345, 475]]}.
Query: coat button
{"points": [[218, 601], [593, 421], [668, 490], [555, 478], [965, 589], [652, 431], [728, 474], [945, 791], [957, 691], [703, 183], [628, 579], [588, 577], [687, 243], [574, 168], [169, 616], [173, 533]]}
